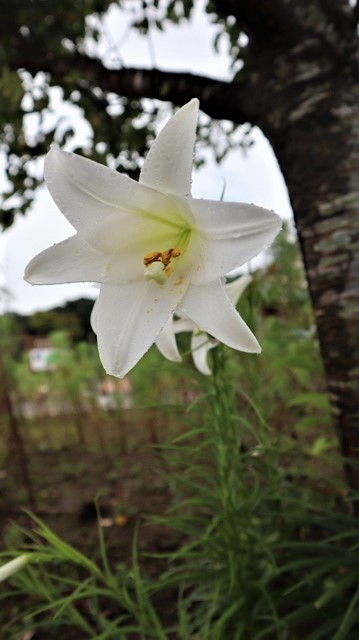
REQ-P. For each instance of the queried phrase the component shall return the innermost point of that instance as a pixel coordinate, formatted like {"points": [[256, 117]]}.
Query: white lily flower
{"points": [[201, 342], [150, 246], [13, 566]]}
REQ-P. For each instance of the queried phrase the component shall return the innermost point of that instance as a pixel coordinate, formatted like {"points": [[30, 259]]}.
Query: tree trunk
{"points": [[309, 103]]}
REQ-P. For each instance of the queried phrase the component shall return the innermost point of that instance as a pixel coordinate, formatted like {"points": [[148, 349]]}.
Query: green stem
{"points": [[225, 438]]}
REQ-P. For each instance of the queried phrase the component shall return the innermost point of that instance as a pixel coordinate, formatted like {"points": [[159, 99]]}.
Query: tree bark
{"points": [[309, 102], [322, 179]]}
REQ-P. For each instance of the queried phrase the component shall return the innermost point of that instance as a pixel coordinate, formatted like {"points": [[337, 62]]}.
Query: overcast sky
{"points": [[253, 177]]}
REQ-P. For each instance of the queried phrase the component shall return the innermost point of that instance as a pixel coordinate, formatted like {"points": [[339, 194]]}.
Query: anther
{"points": [[153, 256]]}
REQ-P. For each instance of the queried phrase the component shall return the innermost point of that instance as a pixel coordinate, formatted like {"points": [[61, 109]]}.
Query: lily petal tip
{"points": [[27, 274], [54, 148], [194, 103]]}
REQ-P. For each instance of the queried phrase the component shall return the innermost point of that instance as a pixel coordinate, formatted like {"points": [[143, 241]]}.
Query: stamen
{"points": [[157, 264], [153, 256], [166, 256]]}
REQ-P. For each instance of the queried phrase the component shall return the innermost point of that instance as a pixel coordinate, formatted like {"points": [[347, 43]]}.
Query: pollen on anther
{"points": [[152, 256], [166, 256]]}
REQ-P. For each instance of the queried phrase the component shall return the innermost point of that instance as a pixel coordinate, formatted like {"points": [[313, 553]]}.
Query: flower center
{"points": [[158, 264]]}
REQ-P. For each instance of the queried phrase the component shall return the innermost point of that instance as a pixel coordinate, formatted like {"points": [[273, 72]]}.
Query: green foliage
{"points": [[71, 579], [42, 101], [73, 317], [259, 558], [156, 383], [228, 563], [287, 381], [268, 541]]}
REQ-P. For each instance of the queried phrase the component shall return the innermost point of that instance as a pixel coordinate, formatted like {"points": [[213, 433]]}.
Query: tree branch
{"points": [[219, 99]]}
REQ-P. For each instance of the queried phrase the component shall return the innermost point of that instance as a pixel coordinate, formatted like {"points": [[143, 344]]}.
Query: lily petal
{"points": [[166, 342], [93, 317], [168, 165], [128, 319], [184, 324], [201, 343], [230, 235], [210, 308], [72, 260], [235, 288], [106, 207]]}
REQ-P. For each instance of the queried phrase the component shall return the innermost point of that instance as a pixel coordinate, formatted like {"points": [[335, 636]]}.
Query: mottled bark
{"points": [[309, 103], [322, 178]]}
